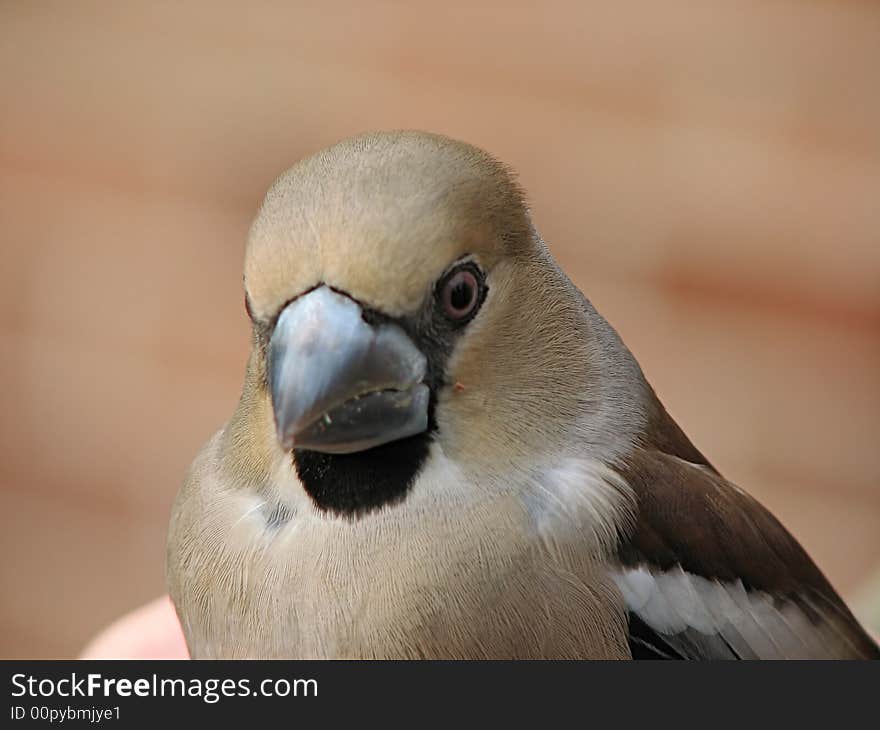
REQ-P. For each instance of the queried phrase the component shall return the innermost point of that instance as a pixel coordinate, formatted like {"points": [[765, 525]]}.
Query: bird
{"points": [[443, 451]]}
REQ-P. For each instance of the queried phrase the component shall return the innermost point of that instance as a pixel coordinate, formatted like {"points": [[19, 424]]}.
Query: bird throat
{"points": [[352, 485]]}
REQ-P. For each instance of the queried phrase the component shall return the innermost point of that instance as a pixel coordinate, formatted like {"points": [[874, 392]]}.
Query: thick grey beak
{"points": [[340, 385]]}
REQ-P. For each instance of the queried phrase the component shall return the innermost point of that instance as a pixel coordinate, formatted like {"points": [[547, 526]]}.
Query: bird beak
{"points": [[340, 385]]}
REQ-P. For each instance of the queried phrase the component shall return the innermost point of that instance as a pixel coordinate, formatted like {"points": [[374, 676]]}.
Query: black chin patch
{"points": [[351, 485]]}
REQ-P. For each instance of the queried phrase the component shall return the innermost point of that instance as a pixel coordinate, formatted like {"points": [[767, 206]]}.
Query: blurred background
{"points": [[708, 173]]}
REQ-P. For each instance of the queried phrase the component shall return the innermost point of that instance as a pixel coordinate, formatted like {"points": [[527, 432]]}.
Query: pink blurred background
{"points": [[709, 173]]}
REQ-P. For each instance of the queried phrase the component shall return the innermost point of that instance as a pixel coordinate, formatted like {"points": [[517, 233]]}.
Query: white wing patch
{"points": [[702, 618]]}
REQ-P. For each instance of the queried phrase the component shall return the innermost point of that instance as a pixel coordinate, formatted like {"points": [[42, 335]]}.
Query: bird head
{"points": [[401, 300]]}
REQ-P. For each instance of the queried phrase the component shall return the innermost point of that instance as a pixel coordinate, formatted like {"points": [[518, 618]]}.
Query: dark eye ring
{"points": [[461, 292]]}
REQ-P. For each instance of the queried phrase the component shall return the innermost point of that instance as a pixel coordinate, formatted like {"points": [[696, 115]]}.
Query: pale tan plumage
{"points": [[507, 543]]}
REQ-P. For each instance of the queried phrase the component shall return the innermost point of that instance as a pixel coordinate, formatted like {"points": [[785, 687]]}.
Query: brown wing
{"points": [[707, 572]]}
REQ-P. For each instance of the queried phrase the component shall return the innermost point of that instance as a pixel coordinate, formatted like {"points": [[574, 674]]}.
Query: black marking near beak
{"points": [[340, 385]]}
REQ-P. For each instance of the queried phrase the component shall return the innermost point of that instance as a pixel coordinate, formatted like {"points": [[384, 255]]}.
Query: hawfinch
{"points": [[443, 451]]}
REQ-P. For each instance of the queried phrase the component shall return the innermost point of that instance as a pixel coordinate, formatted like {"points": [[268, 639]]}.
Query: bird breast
{"points": [[474, 579]]}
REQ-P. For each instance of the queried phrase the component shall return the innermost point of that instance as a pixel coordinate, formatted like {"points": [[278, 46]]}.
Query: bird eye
{"points": [[460, 292]]}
